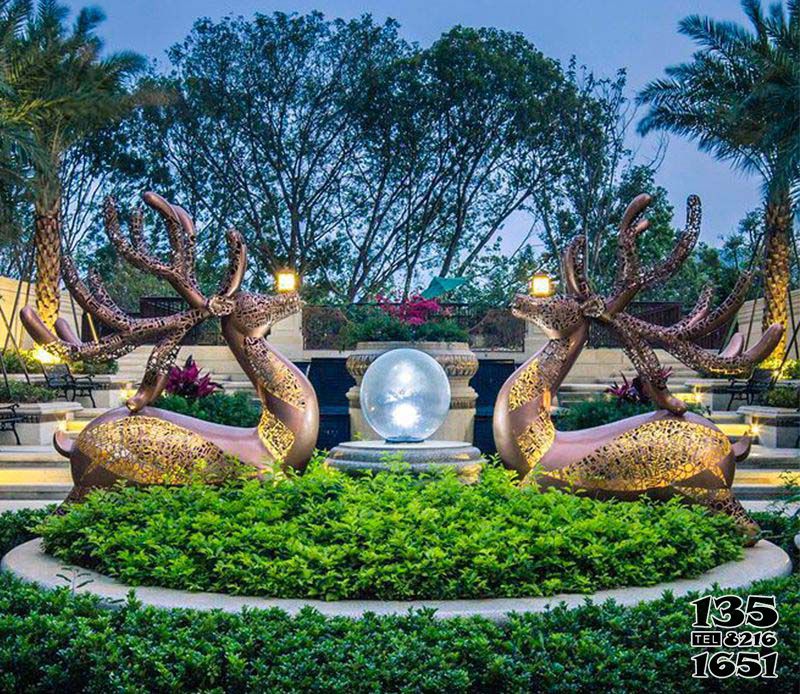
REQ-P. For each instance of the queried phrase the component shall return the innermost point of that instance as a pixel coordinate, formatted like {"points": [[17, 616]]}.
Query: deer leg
{"points": [[723, 501]]}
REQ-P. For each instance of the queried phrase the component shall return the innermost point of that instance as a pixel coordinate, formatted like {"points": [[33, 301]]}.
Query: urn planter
{"points": [[460, 365]]}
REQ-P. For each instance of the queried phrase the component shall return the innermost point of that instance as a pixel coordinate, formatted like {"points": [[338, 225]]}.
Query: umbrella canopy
{"points": [[442, 285]]}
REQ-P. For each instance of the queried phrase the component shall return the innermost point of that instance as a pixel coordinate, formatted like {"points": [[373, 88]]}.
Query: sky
{"points": [[605, 35]]}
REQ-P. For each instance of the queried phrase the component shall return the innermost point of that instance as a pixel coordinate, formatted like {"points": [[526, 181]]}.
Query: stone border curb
{"points": [[29, 563]]}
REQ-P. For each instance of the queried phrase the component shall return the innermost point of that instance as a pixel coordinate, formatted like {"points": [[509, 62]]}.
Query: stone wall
{"points": [[27, 296], [757, 306]]}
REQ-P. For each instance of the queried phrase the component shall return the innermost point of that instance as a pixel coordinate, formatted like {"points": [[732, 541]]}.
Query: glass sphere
{"points": [[405, 395]]}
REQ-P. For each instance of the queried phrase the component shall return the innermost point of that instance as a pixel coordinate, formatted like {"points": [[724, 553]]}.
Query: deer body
{"points": [[142, 444], [660, 454]]}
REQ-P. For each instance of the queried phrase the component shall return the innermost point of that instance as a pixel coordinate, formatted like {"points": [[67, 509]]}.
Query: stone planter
{"points": [[460, 365], [40, 421], [778, 427]]}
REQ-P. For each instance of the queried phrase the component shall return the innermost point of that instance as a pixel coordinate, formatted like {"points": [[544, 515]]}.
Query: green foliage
{"points": [[373, 325], [783, 396], [392, 536], [780, 528], [22, 392], [15, 361], [737, 97], [16, 527], [596, 411], [234, 409], [56, 641], [790, 369]]}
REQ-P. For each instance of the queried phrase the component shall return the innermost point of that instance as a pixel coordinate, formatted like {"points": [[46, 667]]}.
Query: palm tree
{"points": [[57, 77], [738, 98]]}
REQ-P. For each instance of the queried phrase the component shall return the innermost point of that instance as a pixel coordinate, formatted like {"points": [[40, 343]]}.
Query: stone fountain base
{"points": [[356, 457]]}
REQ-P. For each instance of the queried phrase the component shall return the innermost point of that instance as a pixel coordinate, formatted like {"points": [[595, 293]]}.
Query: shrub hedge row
{"points": [[56, 641], [234, 409], [390, 537]]}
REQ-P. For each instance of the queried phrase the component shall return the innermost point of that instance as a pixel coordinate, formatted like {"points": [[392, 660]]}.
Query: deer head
{"points": [[245, 316], [562, 316]]}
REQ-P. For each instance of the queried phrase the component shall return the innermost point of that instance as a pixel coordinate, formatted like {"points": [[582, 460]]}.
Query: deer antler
{"points": [[635, 333], [168, 331]]}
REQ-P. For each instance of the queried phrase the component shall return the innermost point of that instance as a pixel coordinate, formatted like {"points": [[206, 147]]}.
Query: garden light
{"points": [[41, 355], [286, 281], [405, 395], [541, 285]]}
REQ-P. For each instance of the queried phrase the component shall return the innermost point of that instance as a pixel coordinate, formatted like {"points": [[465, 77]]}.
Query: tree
{"points": [[738, 99], [70, 91]]}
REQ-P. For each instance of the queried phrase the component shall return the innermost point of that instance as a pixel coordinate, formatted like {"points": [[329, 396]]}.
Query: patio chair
{"points": [[750, 390], [60, 377]]}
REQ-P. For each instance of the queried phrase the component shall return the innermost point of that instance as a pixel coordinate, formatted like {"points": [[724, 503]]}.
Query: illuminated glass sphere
{"points": [[405, 395]]}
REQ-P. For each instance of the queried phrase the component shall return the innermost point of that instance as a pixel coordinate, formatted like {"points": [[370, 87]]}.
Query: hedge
{"points": [[389, 537], [56, 641]]}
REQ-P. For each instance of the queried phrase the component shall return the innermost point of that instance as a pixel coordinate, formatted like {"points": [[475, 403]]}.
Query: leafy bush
{"points": [[596, 411], [14, 364], [783, 396], [235, 409], [406, 324], [20, 391], [790, 369], [391, 536], [55, 641], [16, 527]]}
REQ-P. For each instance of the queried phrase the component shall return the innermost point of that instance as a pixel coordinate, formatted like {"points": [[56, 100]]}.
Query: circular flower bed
{"points": [[390, 537]]}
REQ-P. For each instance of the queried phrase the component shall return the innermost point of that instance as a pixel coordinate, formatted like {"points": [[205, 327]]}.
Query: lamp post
{"points": [[540, 285], [286, 281]]}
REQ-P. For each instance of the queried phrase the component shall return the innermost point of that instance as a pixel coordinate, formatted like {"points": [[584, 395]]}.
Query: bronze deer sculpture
{"points": [[145, 445], [663, 453]]}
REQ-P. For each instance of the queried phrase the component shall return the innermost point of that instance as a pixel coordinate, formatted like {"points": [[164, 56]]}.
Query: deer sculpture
{"points": [[142, 444], [660, 454]]}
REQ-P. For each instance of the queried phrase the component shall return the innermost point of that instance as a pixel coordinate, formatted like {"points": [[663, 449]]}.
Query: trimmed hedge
{"points": [[596, 411], [237, 409], [55, 641], [391, 536]]}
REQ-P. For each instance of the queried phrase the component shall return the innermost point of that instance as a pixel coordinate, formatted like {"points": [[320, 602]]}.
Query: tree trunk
{"points": [[776, 270], [47, 241]]}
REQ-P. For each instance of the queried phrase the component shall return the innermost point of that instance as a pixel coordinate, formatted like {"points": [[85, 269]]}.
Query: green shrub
{"points": [[237, 409], [791, 369], [374, 325], [14, 362], [16, 527], [20, 391], [55, 641], [783, 396], [392, 536], [597, 411]]}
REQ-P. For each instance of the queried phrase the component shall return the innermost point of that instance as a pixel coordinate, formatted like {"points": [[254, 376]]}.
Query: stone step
{"points": [[771, 458], [722, 417], [35, 483], [15, 457]]}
